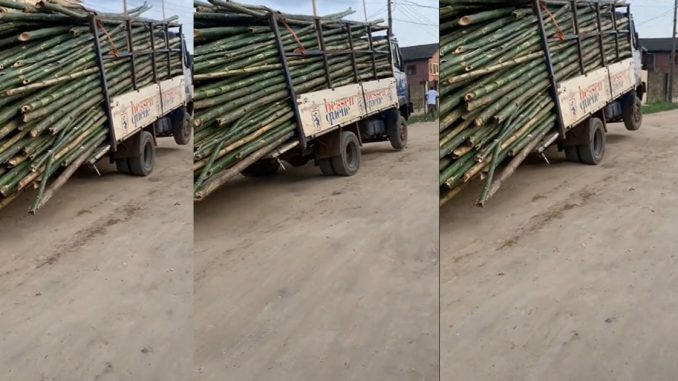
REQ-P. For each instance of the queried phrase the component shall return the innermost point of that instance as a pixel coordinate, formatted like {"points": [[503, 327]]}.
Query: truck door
{"points": [[399, 73]]}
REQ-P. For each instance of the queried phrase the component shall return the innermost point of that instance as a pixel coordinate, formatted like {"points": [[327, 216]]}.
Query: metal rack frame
{"points": [[273, 19], [579, 37], [129, 22]]}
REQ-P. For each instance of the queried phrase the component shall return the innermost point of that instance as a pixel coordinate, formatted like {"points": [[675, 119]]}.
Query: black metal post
{"points": [[350, 44], [183, 51], [371, 47], [549, 67], [130, 42], [169, 58], [628, 14], [600, 36], [273, 21], [155, 72], [321, 42], [575, 20], [104, 83], [616, 31]]}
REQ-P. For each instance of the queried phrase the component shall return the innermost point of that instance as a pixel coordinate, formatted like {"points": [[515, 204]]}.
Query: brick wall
{"points": [[422, 79]]}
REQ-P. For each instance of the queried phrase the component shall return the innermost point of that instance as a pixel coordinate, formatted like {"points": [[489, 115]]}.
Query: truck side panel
{"points": [[324, 110], [585, 95]]}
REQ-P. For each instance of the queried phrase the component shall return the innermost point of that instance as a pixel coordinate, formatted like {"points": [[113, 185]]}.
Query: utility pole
{"points": [[163, 9], [673, 52], [390, 19], [365, 11], [124, 4], [315, 10]]}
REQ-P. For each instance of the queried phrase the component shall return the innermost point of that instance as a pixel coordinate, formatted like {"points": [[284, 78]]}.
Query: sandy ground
{"points": [[570, 273], [303, 277], [98, 285]]}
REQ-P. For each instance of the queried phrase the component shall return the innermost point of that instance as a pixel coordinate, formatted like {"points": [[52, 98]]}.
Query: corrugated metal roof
{"points": [[657, 45], [419, 52]]}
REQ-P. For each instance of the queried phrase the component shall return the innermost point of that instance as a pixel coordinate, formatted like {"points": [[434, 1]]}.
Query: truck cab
{"points": [[406, 107]]}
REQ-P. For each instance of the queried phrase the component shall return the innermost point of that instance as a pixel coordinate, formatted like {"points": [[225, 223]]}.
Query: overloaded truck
{"points": [[519, 77], [159, 109], [80, 85], [331, 85]]}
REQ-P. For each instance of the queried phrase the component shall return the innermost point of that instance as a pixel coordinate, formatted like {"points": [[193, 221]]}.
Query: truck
{"points": [[587, 102], [333, 124], [136, 119], [521, 77]]}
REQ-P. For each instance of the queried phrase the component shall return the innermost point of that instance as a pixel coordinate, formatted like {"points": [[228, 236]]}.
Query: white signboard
{"points": [[173, 93], [581, 96], [622, 77], [135, 110], [380, 95], [322, 110]]}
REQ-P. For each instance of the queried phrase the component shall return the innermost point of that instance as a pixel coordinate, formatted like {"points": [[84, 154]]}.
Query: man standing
{"points": [[431, 103]]}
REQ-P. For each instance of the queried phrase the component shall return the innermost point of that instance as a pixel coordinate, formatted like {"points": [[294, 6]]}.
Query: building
{"points": [[658, 53], [657, 61], [422, 63]]}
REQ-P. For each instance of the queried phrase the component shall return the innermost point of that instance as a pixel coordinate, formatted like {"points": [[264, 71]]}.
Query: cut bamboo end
{"points": [[465, 21], [25, 36]]}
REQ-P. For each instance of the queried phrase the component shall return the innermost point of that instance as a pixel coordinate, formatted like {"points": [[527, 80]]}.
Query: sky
{"points": [[415, 22], [653, 18], [181, 8]]}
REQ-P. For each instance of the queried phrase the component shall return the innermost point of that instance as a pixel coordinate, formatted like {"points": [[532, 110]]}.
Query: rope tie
{"points": [[559, 32], [300, 49], [114, 49]]}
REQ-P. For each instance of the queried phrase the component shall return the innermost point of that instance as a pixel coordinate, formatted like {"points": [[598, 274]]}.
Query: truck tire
{"points": [[123, 166], [397, 134], [348, 161], [326, 167], [181, 128], [142, 163], [262, 168], [633, 112], [572, 154], [594, 150]]}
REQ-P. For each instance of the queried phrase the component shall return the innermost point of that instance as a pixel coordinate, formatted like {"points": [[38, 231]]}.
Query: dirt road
{"points": [[570, 273], [303, 277], [98, 285]]}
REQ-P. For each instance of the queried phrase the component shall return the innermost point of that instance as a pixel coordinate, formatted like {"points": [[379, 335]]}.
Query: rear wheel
{"points": [[326, 167], [572, 154], [142, 163], [123, 166], [348, 160], [633, 112], [594, 150], [262, 168]]}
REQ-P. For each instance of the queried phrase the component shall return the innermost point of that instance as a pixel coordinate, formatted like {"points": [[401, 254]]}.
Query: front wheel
{"points": [[633, 113], [181, 128], [397, 134]]}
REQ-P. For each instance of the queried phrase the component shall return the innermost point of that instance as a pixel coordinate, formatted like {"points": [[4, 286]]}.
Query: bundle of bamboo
{"points": [[52, 115], [243, 108], [495, 87]]}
